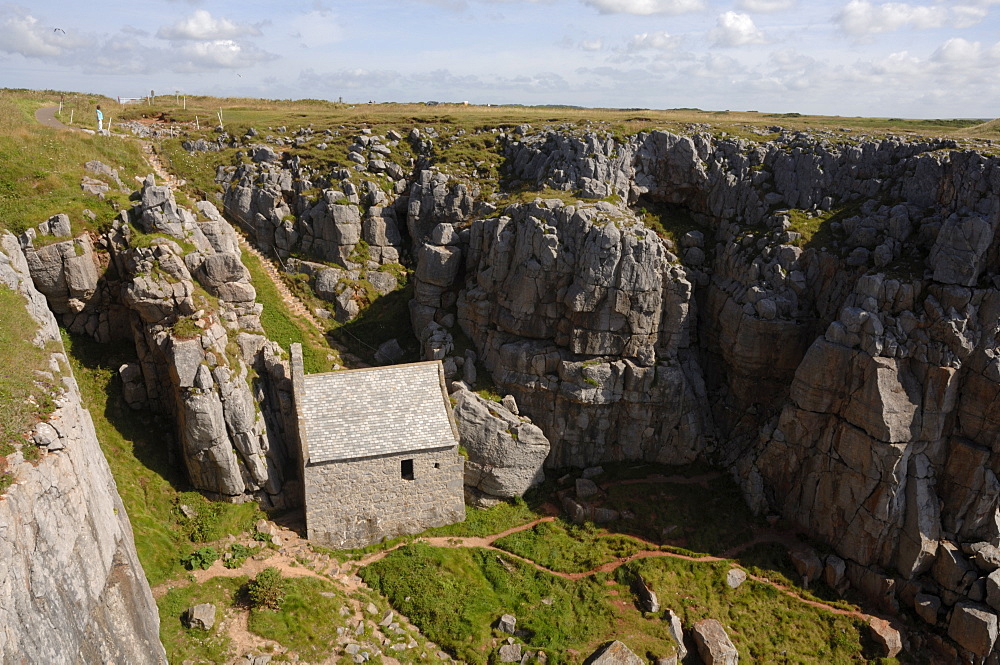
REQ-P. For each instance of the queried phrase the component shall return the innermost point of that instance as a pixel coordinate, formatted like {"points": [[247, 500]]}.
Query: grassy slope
{"points": [[762, 622], [26, 395], [41, 168], [456, 595], [40, 173], [283, 326], [569, 548]]}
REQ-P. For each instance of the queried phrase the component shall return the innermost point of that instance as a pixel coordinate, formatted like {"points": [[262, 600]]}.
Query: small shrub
{"points": [[31, 453], [6, 480], [267, 590], [186, 328], [239, 554], [202, 558]]}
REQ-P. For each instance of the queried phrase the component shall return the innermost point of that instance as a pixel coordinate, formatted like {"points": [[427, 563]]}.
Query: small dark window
{"points": [[406, 469], [437, 465]]}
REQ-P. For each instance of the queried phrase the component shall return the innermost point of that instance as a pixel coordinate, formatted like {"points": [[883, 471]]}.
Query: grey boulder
{"points": [[201, 616], [714, 645], [506, 452], [615, 653]]}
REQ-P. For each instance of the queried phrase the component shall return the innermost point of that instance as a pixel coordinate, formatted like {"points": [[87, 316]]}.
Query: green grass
{"points": [[762, 622], [25, 397], [455, 595], [197, 169], [480, 522], [284, 327], [41, 168], [817, 231], [771, 561], [357, 553], [152, 486], [568, 548], [240, 113], [181, 643], [307, 621], [527, 195]]}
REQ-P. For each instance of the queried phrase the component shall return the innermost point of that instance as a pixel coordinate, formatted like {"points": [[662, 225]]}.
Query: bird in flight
{"points": [[57, 30]]}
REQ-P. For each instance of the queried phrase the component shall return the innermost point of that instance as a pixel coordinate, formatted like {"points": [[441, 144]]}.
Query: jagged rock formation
{"points": [[72, 588], [351, 223], [848, 379], [172, 281]]}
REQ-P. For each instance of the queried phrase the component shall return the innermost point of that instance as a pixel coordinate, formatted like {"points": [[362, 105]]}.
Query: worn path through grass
{"points": [[487, 542], [295, 558]]}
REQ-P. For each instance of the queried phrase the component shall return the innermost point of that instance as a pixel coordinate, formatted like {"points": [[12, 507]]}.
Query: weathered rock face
{"points": [[190, 356], [506, 451], [578, 312], [849, 379], [74, 590], [186, 311], [270, 202], [68, 273]]}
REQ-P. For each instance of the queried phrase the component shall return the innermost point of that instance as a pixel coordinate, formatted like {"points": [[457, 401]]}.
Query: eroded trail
{"points": [[487, 542]]}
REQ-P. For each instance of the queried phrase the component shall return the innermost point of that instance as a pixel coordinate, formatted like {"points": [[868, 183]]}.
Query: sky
{"points": [[915, 59]]}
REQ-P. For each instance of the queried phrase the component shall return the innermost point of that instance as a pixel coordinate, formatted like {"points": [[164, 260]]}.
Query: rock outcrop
{"points": [[351, 225], [72, 588], [822, 322], [172, 281], [505, 452], [190, 356], [579, 313], [828, 332]]}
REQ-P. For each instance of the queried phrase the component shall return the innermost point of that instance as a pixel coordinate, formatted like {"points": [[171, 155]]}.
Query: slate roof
{"points": [[377, 411]]}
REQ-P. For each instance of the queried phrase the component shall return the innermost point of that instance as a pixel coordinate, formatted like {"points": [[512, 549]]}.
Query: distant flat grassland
{"points": [[262, 113]]}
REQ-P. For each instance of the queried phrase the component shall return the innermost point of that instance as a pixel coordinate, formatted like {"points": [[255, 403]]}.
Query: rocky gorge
{"points": [[824, 327], [815, 313]]}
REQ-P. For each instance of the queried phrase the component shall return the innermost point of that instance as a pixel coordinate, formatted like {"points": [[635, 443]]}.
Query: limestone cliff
{"points": [[171, 281], [71, 588], [825, 326], [848, 378]]}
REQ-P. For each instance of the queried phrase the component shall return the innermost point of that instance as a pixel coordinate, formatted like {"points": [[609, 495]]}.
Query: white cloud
{"points": [[958, 51], [592, 45], [26, 35], [219, 54], [765, 6], [660, 41], [861, 18], [735, 29], [646, 7], [202, 26]]}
